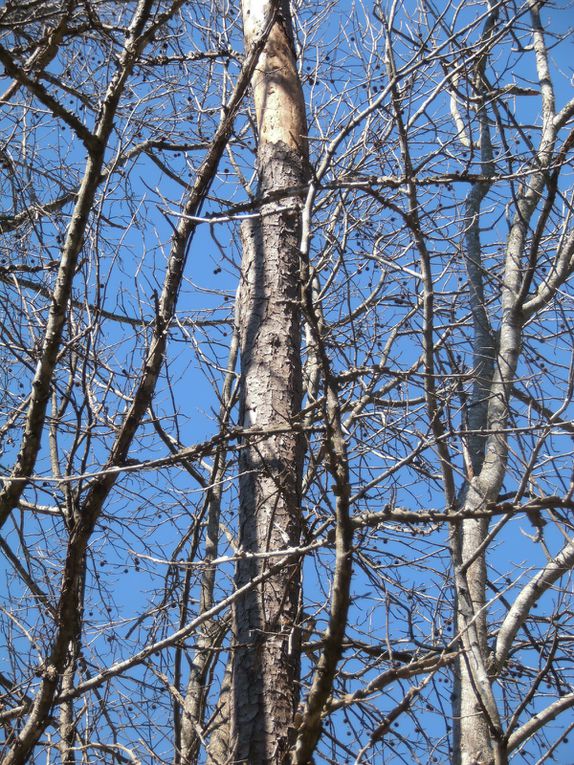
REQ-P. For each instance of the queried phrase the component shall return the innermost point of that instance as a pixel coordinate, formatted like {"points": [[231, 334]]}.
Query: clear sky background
{"points": [[401, 591]]}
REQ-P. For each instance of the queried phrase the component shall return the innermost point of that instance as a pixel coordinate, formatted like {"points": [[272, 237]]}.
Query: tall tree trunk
{"points": [[477, 726], [479, 736], [266, 663]]}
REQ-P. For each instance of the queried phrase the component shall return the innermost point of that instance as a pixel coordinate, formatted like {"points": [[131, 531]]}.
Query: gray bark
{"points": [[218, 749], [472, 693], [479, 738], [267, 654]]}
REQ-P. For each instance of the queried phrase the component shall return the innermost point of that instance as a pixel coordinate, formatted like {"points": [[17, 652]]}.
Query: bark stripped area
{"points": [[436, 252], [266, 663]]}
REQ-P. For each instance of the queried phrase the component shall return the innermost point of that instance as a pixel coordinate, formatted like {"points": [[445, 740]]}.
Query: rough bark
{"points": [[67, 720], [266, 663], [218, 749]]}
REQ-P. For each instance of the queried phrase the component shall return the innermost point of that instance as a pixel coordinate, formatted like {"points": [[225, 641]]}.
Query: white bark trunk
{"points": [[479, 738]]}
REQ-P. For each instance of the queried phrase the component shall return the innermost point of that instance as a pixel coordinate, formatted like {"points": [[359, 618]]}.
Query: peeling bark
{"points": [[267, 653]]}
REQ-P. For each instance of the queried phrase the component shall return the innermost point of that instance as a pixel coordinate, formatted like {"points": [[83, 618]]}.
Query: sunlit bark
{"points": [[266, 663]]}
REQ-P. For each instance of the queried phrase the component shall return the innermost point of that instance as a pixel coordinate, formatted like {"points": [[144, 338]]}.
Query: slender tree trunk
{"points": [[479, 735], [193, 720], [67, 713], [474, 724], [218, 749], [477, 726], [266, 663]]}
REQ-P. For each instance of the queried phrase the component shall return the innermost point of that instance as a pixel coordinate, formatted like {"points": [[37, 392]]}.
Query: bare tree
{"points": [[286, 401], [266, 661]]}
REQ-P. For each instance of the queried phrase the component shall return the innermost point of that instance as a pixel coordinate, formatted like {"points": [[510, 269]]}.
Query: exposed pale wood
{"points": [[266, 665]]}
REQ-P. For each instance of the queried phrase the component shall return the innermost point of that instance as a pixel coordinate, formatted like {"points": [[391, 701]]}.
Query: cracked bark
{"points": [[266, 662]]}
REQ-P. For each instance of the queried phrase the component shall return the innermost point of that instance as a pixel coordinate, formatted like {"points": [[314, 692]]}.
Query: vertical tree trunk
{"points": [[477, 726], [218, 750], [192, 721], [266, 663], [479, 738], [67, 715]]}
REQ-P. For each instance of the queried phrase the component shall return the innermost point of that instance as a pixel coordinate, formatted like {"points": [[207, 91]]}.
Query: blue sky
{"points": [[358, 241]]}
